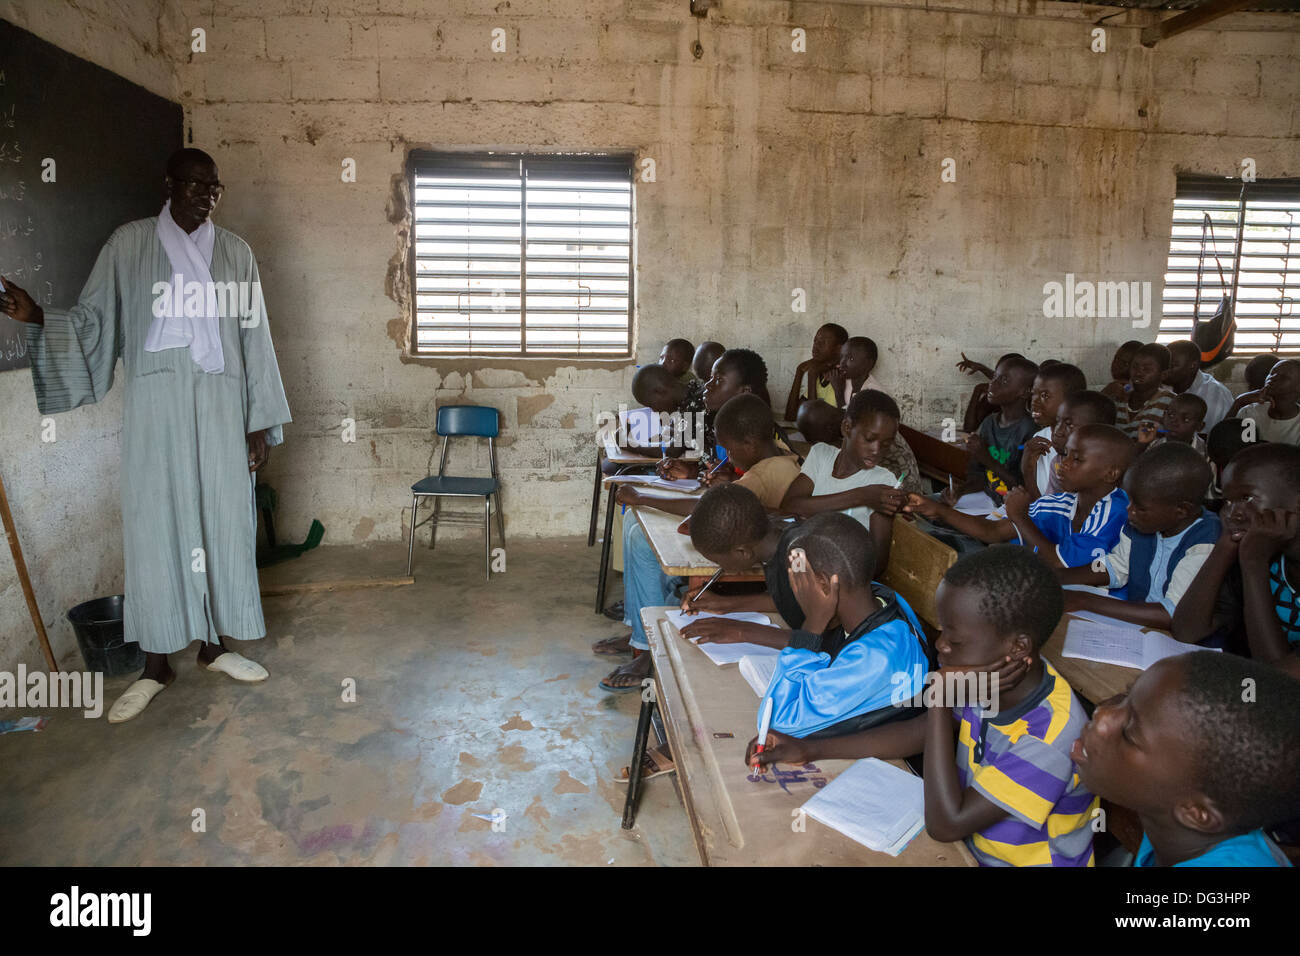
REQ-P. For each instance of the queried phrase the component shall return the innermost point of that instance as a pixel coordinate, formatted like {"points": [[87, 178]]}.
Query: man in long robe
{"points": [[204, 403]]}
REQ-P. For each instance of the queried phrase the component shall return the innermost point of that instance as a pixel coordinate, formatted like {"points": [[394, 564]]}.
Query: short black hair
{"points": [[860, 343], [744, 417], [1021, 364], [840, 332], [181, 160], [819, 421], [1247, 760], [1117, 444], [1280, 458], [1226, 439], [1156, 351], [1257, 370], [750, 365], [1198, 406], [869, 401], [1003, 358], [726, 516], [836, 544], [1185, 345], [650, 377], [1102, 406], [1019, 594], [1171, 471], [1132, 345], [1071, 377], [681, 348]]}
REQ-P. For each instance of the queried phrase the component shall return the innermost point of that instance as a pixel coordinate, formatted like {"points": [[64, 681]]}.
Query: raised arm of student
{"points": [[1035, 449], [1198, 613], [1271, 530]]}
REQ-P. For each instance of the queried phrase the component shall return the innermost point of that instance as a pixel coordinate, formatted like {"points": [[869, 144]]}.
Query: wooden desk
{"points": [[736, 820], [937, 459], [626, 461], [1091, 680], [677, 556], [603, 578]]}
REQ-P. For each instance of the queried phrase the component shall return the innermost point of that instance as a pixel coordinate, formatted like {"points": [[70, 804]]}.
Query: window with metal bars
{"points": [[522, 255], [1254, 231]]}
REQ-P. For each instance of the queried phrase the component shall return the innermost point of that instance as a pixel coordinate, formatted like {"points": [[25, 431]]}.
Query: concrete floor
{"points": [[471, 696]]}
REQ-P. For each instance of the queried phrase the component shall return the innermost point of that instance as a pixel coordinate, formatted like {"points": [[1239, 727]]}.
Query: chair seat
{"points": [[468, 487]]}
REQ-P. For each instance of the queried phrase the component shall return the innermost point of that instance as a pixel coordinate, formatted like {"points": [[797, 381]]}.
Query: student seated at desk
{"points": [[736, 372], [826, 346], [1066, 530], [1168, 536], [1052, 385], [1277, 413], [656, 388], [1078, 408], [1121, 366], [705, 355], [676, 357], [1248, 583], [979, 407], [1204, 769], [1183, 422], [840, 671], [850, 478], [858, 356], [1147, 396], [744, 428], [1224, 441], [996, 446], [1256, 374], [1004, 784], [820, 422]]}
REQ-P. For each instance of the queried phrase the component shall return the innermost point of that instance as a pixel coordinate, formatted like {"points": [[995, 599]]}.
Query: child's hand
{"points": [[629, 496], [718, 630], [971, 367], [780, 748], [976, 449], [1017, 502], [708, 601], [685, 526], [1035, 449], [921, 505], [676, 468], [884, 499], [948, 496], [1271, 530], [817, 602], [1147, 432], [723, 475]]}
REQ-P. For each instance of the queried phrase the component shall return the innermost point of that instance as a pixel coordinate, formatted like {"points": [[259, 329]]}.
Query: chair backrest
{"points": [[917, 563], [480, 420]]}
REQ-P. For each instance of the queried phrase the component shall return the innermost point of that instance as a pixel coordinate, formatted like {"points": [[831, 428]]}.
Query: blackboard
{"points": [[109, 140]]}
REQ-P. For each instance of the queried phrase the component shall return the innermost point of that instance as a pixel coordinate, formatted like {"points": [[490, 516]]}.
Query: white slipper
{"points": [[239, 667], [134, 700]]}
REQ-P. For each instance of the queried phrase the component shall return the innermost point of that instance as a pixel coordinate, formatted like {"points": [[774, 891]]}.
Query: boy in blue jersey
{"points": [[839, 672], [1204, 765], [1074, 528], [1000, 779], [1168, 536]]}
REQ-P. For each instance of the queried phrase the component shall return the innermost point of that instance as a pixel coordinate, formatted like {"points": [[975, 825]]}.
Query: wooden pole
{"points": [[24, 580], [1189, 20]]}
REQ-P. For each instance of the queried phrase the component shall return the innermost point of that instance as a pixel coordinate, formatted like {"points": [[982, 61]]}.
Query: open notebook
{"points": [[875, 803], [1096, 637], [727, 653]]}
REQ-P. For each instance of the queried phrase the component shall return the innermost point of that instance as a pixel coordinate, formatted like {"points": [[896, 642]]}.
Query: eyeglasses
{"points": [[203, 186]]}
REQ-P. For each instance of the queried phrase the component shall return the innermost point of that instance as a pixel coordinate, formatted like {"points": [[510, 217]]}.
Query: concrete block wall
{"points": [[65, 494], [775, 170]]}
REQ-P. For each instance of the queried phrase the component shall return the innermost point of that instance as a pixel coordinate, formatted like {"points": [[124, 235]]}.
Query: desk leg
{"points": [[604, 550], [595, 504], [638, 755]]}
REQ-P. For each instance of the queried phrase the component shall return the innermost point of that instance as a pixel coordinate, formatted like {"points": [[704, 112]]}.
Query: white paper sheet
{"points": [[875, 803], [757, 669], [1108, 641], [727, 653], [978, 503], [654, 481]]}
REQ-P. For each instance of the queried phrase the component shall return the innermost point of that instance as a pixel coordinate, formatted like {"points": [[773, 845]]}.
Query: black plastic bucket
{"points": [[98, 626]]}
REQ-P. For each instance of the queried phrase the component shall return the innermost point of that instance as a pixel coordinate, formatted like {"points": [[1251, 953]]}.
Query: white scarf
{"points": [[172, 328]]}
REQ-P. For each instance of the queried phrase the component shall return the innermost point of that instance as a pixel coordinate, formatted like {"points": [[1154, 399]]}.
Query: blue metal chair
{"points": [[479, 421]]}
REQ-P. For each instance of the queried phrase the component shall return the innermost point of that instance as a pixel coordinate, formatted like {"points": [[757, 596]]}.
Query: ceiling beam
{"points": [[1190, 19]]}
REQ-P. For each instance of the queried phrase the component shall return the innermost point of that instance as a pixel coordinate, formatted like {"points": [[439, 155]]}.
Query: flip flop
{"points": [[657, 762], [134, 700], [613, 689], [614, 612], [239, 667]]}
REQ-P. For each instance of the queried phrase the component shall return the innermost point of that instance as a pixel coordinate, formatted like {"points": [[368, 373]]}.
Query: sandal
{"points": [[656, 762], [631, 673], [614, 612], [613, 646]]}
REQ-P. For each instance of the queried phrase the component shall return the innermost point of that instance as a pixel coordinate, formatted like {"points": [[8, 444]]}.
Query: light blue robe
{"points": [[185, 479]]}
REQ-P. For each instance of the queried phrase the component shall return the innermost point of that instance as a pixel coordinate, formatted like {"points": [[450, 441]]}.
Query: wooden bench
{"points": [[917, 563]]}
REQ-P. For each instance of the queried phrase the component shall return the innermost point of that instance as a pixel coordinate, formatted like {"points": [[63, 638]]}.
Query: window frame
{"points": [[602, 162]]}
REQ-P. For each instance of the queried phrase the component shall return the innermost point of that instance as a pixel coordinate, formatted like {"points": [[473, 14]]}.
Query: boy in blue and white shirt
{"points": [[1075, 528], [1168, 537]]}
